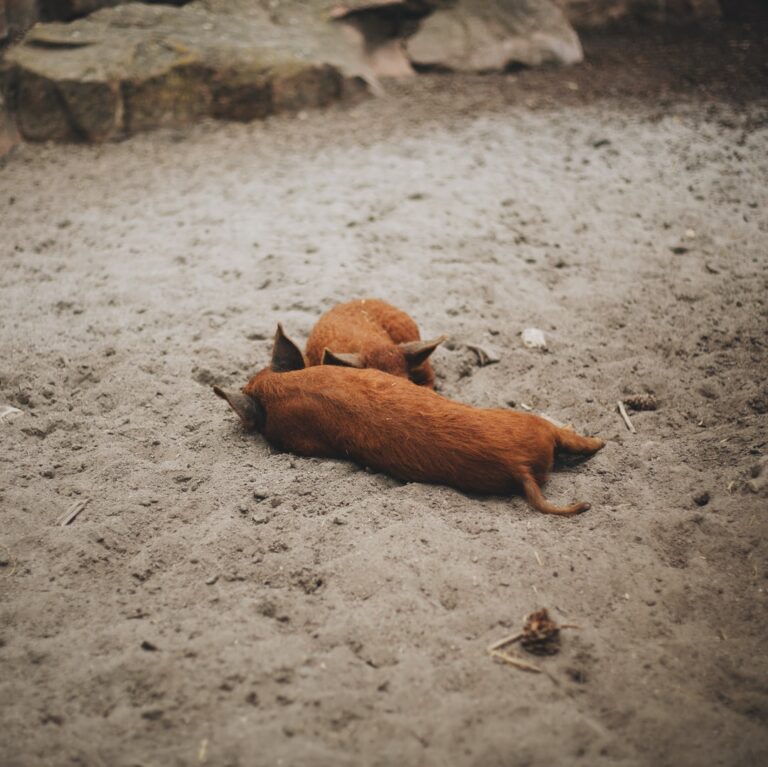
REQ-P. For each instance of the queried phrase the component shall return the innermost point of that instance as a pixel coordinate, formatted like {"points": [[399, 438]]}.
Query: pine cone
{"points": [[641, 402]]}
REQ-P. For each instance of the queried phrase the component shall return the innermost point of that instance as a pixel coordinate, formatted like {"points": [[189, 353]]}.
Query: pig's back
{"points": [[357, 326], [386, 423]]}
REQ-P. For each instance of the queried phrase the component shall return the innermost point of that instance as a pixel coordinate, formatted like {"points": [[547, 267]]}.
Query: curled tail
{"points": [[568, 440], [533, 495]]}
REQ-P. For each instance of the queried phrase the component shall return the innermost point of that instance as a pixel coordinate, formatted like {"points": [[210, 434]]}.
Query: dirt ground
{"points": [[219, 603]]}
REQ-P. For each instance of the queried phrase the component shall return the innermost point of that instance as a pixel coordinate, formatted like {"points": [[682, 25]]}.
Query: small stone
{"points": [[148, 646], [702, 499], [210, 581], [533, 338], [260, 494], [7, 411], [259, 519]]}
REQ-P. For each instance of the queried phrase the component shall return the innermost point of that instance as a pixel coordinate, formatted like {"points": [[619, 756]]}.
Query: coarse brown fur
{"points": [[370, 333], [409, 432]]}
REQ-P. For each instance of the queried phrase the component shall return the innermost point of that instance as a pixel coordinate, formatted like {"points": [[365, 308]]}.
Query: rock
{"points": [[533, 338], [16, 16], [8, 411], [210, 581], [138, 66], [134, 67], [492, 35], [701, 499]]}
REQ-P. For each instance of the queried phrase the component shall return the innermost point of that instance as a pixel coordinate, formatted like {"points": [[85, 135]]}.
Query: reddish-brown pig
{"points": [[386, 423], [370, 333]]}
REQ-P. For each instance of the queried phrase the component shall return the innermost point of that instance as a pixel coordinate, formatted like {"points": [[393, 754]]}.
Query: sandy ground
{"points": [[219, 603]]}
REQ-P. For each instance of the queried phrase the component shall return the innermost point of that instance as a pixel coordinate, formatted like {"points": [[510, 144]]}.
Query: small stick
{"points": [[624, 415], [72, 512], [507, 640], [570, 626], [538, 558], [510, 661]]}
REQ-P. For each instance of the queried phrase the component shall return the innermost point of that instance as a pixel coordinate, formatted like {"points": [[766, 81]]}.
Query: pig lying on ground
{"points": [[386, 423], [370, 333]]}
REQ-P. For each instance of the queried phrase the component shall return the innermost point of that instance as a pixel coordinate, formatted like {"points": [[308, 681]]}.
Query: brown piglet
{"points": [[370, 333], [384, 422]]}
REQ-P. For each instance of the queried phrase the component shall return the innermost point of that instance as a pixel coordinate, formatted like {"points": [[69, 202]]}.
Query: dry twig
{"points": [[516, 662], [507, 640], [623, 412], [71, 513]]}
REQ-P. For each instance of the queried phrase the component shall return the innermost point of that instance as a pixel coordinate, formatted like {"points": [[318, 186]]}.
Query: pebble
{"points": [[210, 581], [533, 338], [702, 499], [8, 410]]}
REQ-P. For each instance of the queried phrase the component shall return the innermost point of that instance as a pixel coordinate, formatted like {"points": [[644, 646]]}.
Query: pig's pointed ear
{"points": [[417, 352], [345, 360], [286, 356], [251, 412]]}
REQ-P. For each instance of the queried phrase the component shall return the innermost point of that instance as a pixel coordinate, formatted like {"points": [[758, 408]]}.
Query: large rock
{"points": [[16, 17], [137, 66], [492, 35]]}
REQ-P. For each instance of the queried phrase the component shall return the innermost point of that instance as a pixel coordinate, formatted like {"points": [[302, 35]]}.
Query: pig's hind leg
{"points": [[569, 441]]}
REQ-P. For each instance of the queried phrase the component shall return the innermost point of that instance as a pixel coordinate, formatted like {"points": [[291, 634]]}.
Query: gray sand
{"points": [[220, 603]]}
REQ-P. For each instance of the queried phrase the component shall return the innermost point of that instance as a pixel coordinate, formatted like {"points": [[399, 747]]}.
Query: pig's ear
{"points": [[286, 356], [251, 412], [417, 352], [345, 360]]}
